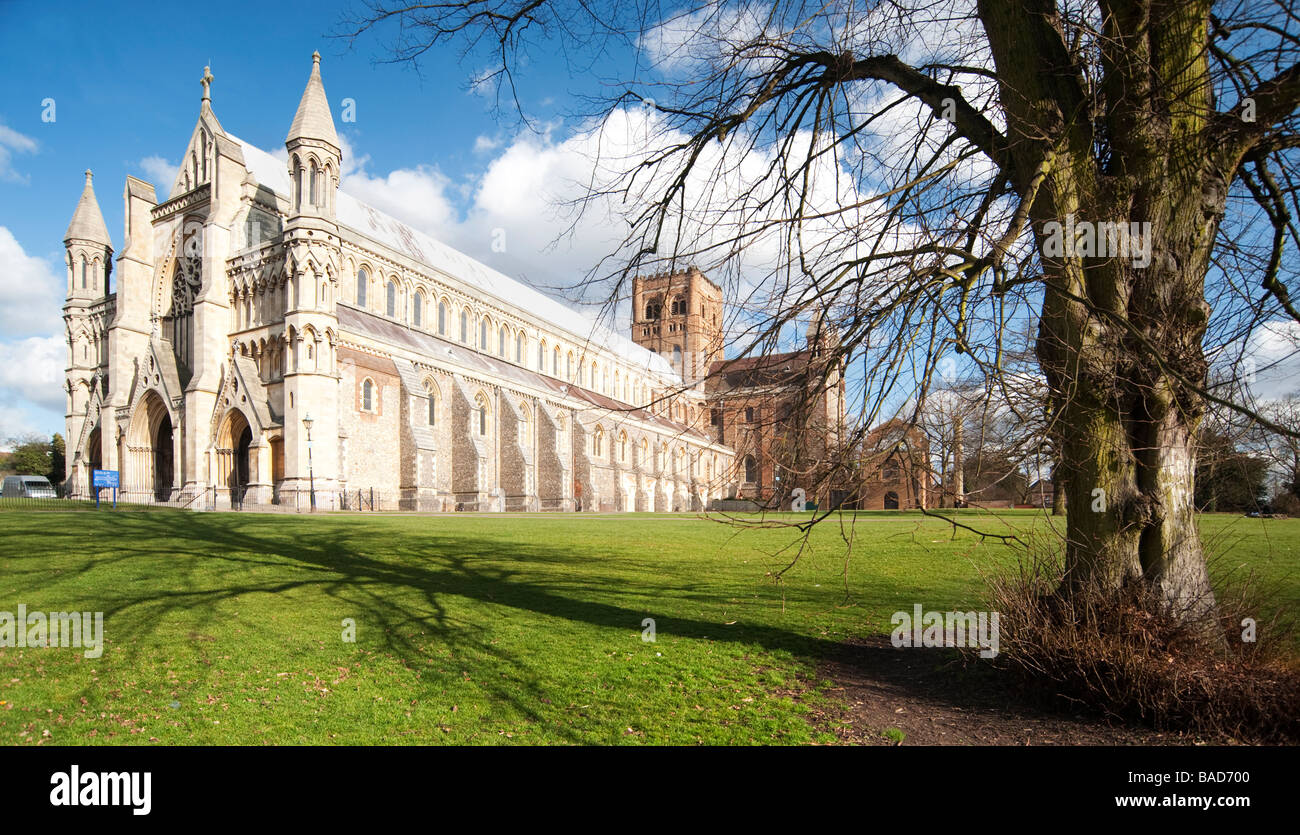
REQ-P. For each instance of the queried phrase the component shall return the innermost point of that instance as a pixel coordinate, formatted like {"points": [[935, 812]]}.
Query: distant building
{"points": [[895, 471], [1041, 493]]}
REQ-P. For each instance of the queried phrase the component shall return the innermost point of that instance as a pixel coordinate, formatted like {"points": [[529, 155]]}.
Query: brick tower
{"points": [[679, 316]]}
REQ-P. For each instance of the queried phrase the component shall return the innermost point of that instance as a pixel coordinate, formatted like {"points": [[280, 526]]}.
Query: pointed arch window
{"points": [[464, 326], [314, 191], [520, 340], [480, 413], [483, 334], [367, 395], [598, 442], [503, 336], [363, 279], [84, 283], [442, 318], [391, 301], [751, 469], [417, 309]]}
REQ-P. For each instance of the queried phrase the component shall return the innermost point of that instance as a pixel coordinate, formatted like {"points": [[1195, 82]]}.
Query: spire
{"points": [[206, 81], [87, 221], [313, 119]]}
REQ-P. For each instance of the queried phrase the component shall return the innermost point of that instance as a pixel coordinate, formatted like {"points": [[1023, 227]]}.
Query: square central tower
{"points": [[678, 315]]}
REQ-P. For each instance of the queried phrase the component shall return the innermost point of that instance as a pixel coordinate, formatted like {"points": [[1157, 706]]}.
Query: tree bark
{"points": [[1120, 336]]}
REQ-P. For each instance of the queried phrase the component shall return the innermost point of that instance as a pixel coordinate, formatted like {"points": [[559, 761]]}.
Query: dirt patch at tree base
{"points": [[938, 697]]}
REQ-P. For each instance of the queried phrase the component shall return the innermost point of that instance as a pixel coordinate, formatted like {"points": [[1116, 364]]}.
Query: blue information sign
{"points": [[105, 478]]}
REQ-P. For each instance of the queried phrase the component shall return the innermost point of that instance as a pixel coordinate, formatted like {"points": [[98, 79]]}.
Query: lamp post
{"points": [[311, 472]]}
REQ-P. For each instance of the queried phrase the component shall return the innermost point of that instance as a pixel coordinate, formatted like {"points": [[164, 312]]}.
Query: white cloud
{"points": [[31, 372], [12, 142], [160, 172], [32, 352], [31, 292], [1274, 359]]}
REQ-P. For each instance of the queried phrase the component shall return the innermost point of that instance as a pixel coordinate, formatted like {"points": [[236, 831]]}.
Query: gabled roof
{"points": [[87, 221], [764, 370], [313, 119]]}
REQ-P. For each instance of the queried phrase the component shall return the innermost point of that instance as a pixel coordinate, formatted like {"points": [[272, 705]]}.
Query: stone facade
{"points": [[271, 337]]}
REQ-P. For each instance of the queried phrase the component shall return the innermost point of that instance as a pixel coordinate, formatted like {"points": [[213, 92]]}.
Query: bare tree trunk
{"points": [[1058, 491]]}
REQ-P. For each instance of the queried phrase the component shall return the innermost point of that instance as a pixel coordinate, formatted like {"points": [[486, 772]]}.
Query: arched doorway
{"points": [[94, 450], [234, 460], [891, 500], [150, 468], [162, 460]]}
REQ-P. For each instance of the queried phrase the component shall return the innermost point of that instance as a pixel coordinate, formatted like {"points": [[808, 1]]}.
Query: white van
{"points": [[27, 487]]}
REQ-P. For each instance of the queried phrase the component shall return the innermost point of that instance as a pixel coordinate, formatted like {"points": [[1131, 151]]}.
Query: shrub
{"points": [[1122, 655]]}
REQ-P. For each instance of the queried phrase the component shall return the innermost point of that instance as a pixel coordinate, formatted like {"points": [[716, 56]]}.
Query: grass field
{"points": [[228, 628]]}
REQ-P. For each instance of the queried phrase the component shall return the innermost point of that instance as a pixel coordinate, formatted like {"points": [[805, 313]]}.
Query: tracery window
{"points": [[187, 283]]}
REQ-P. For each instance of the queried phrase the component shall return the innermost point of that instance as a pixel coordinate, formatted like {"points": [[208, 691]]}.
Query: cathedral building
{"points": [[269, 339]]}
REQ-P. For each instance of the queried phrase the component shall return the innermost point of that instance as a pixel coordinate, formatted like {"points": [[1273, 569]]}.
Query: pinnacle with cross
{"points": [[206, 81]]}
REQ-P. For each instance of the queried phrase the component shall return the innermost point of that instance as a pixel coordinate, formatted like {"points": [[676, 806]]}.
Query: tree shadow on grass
{"points": [[398, 582]]}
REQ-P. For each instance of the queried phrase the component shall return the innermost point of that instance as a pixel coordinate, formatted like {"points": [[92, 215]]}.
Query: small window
{"points": [[503, 336], [480, 404], [367, 395], [679, 306], [433, 408], [751, 469], [653, 310], [519, 348], [442, 318], [749, 414], [417, 310], [392, 299], [363, 279], [464, 326], [598, 442], [483, 334]]}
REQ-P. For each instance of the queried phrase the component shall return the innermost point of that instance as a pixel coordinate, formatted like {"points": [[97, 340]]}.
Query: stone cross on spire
{"points": [[206, 81]]}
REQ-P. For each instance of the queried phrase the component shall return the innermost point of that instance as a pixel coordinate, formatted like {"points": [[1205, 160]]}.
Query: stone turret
{"points": [[313, 256], [315, 157], [89, 248]]}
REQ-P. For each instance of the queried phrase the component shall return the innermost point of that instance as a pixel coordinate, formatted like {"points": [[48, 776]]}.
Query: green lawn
{"points": [[227, 628]]}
